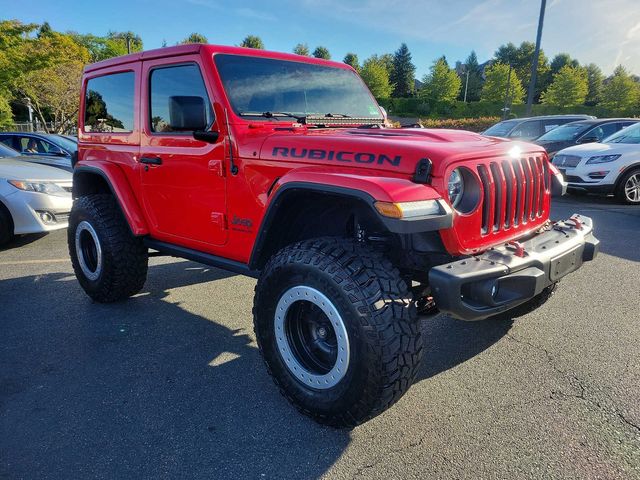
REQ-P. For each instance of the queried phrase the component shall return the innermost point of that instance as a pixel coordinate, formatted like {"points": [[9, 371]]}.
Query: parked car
{"points": [[34, 198], [610, 167], [51, 145], [530, 128], [584, 131], [52, 161]]}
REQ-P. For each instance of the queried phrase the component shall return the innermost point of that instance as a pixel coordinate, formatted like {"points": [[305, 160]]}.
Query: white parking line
{"points": [[35, 262]]}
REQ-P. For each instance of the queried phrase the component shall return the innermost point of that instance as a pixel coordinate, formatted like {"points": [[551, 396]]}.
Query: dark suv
{"points": [[530, 128]]}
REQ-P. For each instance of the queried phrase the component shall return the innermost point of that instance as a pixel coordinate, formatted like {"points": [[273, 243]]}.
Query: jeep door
{"points": [[182, 178]]}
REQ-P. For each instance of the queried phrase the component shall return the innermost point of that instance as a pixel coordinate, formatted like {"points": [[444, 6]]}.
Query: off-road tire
{"points": [[380, 319], [530, 305], [6, 225], [620, 193], [124, 258]]}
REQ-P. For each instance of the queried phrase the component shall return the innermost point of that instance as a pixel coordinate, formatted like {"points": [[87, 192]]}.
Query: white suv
{"points": [[610, 167]]}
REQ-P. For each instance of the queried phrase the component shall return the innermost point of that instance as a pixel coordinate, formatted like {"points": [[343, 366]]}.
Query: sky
{"points": [[605, 32]]}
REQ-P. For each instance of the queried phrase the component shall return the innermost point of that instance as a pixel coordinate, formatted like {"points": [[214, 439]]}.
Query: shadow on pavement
{"points": [[22, 240], [616, 225], [142, 389]]}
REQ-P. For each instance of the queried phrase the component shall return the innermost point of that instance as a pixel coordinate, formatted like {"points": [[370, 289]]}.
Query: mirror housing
{"points": [[204, 136], [187, 113]]}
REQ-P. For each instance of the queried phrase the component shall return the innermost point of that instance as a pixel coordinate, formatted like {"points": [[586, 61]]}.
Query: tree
{"points": [[569, 88], [112, 45], [594, 80], [495, 85], [520, 59], [620, 92], [442, 84], [375, 75], [301, 49], [474, 85], [322, 52], [562, 60], [6, 116], [352, 59], [403, 74], [195, 38], [252, 41]]}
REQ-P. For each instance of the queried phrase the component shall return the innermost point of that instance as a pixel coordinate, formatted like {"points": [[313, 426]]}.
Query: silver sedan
{"points": [[33, 198]]}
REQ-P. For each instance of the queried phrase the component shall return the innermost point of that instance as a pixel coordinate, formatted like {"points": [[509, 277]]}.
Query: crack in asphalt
{"points": [[577, 383]]}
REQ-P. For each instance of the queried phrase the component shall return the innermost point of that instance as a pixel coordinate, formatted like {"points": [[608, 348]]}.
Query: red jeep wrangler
{"points": [[281, 167]]}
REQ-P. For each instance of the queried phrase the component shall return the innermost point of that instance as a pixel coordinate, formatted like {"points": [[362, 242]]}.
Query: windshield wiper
{"points": [[341, 115], [298, 118]]}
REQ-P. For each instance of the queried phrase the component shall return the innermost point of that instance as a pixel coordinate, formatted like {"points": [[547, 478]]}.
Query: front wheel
{"points": [[628, 189], [109, 262], [337, 329]]}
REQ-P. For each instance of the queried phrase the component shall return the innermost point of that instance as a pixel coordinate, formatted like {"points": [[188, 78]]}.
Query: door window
{"points": [[109, 103], [177, 86], [33, 145], [529, 129]]}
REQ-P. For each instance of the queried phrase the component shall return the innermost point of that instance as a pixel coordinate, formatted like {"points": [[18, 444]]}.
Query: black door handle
{"points": [[151, 160]]}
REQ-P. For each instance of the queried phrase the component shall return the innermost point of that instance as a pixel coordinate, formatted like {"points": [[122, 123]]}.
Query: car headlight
{"points": [[602, 159], [48, 188], [455, 187]]}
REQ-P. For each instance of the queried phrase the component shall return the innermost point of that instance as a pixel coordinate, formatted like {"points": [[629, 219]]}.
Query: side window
{"points": [[8, 141], [109, 103], [178, 99], [529, 129], [607, 130], [549, 125]]}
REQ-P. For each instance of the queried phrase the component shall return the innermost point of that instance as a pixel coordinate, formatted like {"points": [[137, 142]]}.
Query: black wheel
{"points": [[109, 262], [529, 306], [6, 225], [338, 330], [628, 188]]}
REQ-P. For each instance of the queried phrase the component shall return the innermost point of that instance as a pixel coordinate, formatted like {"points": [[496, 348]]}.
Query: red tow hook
{"points": [[577, 224], [518, 246]]}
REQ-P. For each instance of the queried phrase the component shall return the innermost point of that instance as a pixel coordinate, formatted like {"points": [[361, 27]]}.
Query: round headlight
{"points": [[456, 187]]}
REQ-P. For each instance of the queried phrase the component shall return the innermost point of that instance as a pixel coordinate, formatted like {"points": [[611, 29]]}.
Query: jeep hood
{"points": [[391, 150]]}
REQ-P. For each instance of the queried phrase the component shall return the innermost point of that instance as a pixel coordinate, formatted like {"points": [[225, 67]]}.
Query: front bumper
{"points": [[28, 210], [507, 276]]}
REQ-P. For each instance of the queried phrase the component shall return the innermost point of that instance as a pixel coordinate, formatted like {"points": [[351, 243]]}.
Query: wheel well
{"points": [[303, 215], [88, 183], [630, 168], [4, 209]]}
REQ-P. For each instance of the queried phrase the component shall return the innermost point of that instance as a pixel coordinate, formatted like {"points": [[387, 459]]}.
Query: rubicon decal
{"points": [[337, 156]]}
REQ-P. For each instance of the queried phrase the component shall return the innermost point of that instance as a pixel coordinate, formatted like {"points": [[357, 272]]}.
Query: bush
{"points": [[479, 124]]}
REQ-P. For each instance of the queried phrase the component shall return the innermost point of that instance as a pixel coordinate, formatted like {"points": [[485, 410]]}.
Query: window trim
{"points": [[149, 125], [84, 109]]}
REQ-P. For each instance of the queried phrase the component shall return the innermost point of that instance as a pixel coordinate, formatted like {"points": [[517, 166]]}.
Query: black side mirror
{"points": [[204, 136], [187, 113]]}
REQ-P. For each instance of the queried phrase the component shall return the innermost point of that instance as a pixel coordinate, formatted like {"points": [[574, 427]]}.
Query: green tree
{"points": [[322, 52], [375, 75], [352, 59], [594, 79], [442, 84], [403, 74], [252, 41], [495, 85], [562, 60], [301, 49], [568, 88], [112, 45], [520, 59], [195, 38], [6, 116], [620, 92], [474, 85]]}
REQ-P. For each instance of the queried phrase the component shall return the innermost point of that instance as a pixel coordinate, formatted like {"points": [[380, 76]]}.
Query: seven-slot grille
{"points": [[512, 192]]}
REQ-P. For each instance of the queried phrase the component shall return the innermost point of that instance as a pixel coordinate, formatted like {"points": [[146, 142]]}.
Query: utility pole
{"points": [[506, 94], [128, 43], [466, 84], [536, 55]]}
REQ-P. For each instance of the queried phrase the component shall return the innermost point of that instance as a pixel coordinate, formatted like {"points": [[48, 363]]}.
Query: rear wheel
{"points": [[109, 262], [628, 190], [337, 329]]}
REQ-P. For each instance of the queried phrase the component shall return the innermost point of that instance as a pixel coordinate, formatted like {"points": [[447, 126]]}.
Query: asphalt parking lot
{"points": [[170, 383]]}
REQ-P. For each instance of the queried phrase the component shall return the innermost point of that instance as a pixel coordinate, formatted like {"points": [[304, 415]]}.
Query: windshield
{"points": [[266, 85], [626, 135], [7, 151], [501, 129], [64, 142], [564, 133]]}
